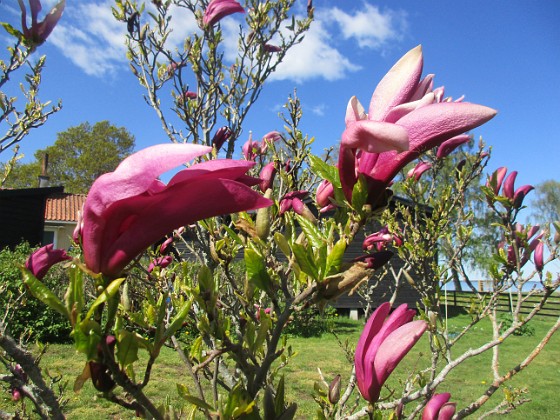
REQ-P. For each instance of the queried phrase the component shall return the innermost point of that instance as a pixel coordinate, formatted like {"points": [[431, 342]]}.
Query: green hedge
{"points": [[26, 316]]}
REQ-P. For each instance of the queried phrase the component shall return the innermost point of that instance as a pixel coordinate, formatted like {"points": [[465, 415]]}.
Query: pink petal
{"points": [[425, 86], [218, 9], [47, 26], [354, 111], [447, 411], [44, 258], [395, 347], [400, 316], [450, 145], [427, 127], [401, 110], [398, 85], [219, 168], [137, 173], [135, 223], [375, 137], [431, 409], [371, 329], [509, 183], [134, 176]]}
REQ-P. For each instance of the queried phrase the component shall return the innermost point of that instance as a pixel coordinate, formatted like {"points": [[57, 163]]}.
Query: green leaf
{"points": [[334, 259], [87, 335], [105, 295], [311, 232], [280, 396], [324, 170], [256, 269], [233, 235], [42, 292], [198, 402], [127, 348], [305, 261], [264, 326], [11, 30], [177, 321], [359, 194], [282, 244], [75, 293], [238, 404]]}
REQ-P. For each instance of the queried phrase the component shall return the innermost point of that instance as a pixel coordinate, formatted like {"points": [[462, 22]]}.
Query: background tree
{"points": [[79, 155], [546, 202]]}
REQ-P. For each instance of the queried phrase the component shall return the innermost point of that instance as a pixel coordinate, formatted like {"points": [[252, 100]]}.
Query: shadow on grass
{"points": [[346, 326], [453, 311]]}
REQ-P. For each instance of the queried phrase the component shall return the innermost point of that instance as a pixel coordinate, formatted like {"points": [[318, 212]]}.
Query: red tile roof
{"points": [[64, 207]]}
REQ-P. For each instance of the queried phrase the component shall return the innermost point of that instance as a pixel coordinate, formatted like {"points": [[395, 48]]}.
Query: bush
{"points": [[524, 330], [24, 315], [311, 323]]}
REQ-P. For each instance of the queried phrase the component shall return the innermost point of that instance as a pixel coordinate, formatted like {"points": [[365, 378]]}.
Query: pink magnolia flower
{"points": [[39, 31], [189, 95], [405, 115], [16, 394], [129, 209], [525, 243], [272, 48], [515, 196], [381, 239], [222, 135], [496, 180], [165, 244], [375, 260], [267, 176], [382, 345], [287, 201], [44, 258], [324, 196], [251, 149], [438, 408], [418, 170], [160, 262], [218, 9], [539, 256]]}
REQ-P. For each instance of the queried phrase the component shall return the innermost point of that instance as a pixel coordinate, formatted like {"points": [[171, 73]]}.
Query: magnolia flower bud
{"points": [[538, 256], [16, 394], [221, 136], [267, 176], [334, 390]]}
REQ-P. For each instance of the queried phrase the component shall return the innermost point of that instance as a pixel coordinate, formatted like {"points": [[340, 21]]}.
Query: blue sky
{"points": [[503, 54]]}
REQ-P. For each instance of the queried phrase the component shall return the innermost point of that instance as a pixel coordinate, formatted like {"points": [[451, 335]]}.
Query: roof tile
{"points": [[64, 207]]}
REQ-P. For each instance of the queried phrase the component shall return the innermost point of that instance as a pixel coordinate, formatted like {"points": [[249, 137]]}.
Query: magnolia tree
{"points": [[21, 71], [260, 248], [20, 118]]}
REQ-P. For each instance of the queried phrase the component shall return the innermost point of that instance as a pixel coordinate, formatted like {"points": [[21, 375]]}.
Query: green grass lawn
{"points": [[465, 383]]}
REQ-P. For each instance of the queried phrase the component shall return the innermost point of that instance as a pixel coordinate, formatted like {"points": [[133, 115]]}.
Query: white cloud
{"points": [[92, 39], [325, 53], [318, 110], [313, 58], [369, 26]]}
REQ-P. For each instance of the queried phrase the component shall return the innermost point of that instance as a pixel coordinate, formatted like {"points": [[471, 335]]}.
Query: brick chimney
{"points": [[44, 177]]}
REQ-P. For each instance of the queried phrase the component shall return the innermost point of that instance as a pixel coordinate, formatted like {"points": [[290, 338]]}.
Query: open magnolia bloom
{"points": [[129, 209], [405, 118]]}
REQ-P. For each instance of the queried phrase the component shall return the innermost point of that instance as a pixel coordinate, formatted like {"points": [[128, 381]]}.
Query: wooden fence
{"points": [[468, 299]]}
